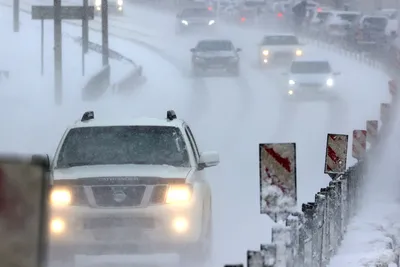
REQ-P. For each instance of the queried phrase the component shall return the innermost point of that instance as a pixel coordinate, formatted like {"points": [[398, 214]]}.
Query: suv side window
{"points": [[192, 142]]}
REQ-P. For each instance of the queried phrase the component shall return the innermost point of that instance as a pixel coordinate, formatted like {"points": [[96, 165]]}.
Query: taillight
{"points": [[242, 19], [209, 8], [319, 9], [280, 15]]}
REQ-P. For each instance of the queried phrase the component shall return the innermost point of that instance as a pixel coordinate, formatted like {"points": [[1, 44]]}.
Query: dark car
{"points": [[215, 55], [195, 18]]}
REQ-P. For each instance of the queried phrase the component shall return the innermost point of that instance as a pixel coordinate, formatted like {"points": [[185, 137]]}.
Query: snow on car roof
{"points": [[128, 121]]}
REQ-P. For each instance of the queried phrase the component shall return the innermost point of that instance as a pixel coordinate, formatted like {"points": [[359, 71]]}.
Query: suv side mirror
{"points": [[238, 49], [192, 50], [208, 159], [336, 73]]}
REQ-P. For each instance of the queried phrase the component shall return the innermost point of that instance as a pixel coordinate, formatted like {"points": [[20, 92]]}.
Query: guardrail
{"points": [[311, 237], [97, 85], [132, 79]]}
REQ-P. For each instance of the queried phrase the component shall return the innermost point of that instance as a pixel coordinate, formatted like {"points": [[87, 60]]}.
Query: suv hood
{"points": [[211, 54], [310, 78], [161, 171]]}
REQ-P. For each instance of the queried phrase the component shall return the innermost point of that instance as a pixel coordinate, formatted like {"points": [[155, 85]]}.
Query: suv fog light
{"points": [[180, 225], [57, 226]]}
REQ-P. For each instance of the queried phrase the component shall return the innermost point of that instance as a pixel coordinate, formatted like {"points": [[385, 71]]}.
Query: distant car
{"points": [[195, 19], [215, 55], [338, 23], [368, 30], [114, 6], [279, 48], [317, 20], [310, 78], [130, 186]]}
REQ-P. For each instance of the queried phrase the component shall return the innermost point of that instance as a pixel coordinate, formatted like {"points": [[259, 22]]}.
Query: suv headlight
{"points": [[291, 82], [299, 52], [120, 2], [329, 82], [185, 22], [265, 52], [211, 22], [60, 197], [97, 3], [178, 194]]}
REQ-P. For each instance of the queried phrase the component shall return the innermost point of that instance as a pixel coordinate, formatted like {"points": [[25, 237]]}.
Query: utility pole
{"points": [[16, 15], [104, 30], [57, 52]]}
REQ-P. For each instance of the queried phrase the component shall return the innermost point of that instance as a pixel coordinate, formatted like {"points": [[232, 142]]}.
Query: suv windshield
{"points": [[197, 12], [150, 145], [214, 46], [280, 40], [310, 67]]}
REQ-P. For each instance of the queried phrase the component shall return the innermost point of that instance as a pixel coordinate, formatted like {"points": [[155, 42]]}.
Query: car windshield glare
{"points": [[310, 67], [147, 145], [280, 40], [197, 12], [214, 46]]}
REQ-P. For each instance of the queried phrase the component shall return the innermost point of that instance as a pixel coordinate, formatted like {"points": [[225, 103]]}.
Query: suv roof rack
{"points": [[171, 115], [87, 116]]}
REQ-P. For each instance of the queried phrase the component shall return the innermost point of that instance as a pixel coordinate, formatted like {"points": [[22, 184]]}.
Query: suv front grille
{"points": [[79, 196], [118, 196]]}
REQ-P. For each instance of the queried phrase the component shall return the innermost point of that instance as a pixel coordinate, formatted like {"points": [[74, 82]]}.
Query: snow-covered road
{"points": [[233, 115]]}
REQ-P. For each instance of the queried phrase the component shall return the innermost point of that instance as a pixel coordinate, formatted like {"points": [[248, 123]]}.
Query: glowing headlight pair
{"points": [[329, 82], [185, 22]]}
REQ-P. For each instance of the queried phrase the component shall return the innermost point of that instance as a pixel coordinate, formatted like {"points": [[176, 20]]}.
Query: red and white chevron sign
{"points": [[385, 112], [277, 177], [392, 88], [336, 153], [372, 131], [359, 146]]}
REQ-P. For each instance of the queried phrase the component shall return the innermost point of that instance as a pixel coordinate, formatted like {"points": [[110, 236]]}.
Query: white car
{"points": [[279, 48], [195, 19], [133, 186], [310, 78], [114, 6]]}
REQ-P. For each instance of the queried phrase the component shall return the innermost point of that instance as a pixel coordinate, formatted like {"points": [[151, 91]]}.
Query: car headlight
{"points": [[211, 22], [178, 193], [185, 22], [291, 82], [265, 52], [60, 197], [329, 82], [120, 2], [299, 52], [97, 3]]}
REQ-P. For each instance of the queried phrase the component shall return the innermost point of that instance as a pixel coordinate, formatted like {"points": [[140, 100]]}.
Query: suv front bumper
{"points": [[158, 228]]}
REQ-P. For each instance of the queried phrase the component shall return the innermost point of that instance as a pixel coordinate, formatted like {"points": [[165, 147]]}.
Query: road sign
{"points": [[372, 131], [67, 12], [385, 112], [359, 145], [336, 153], [277, 178]]}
